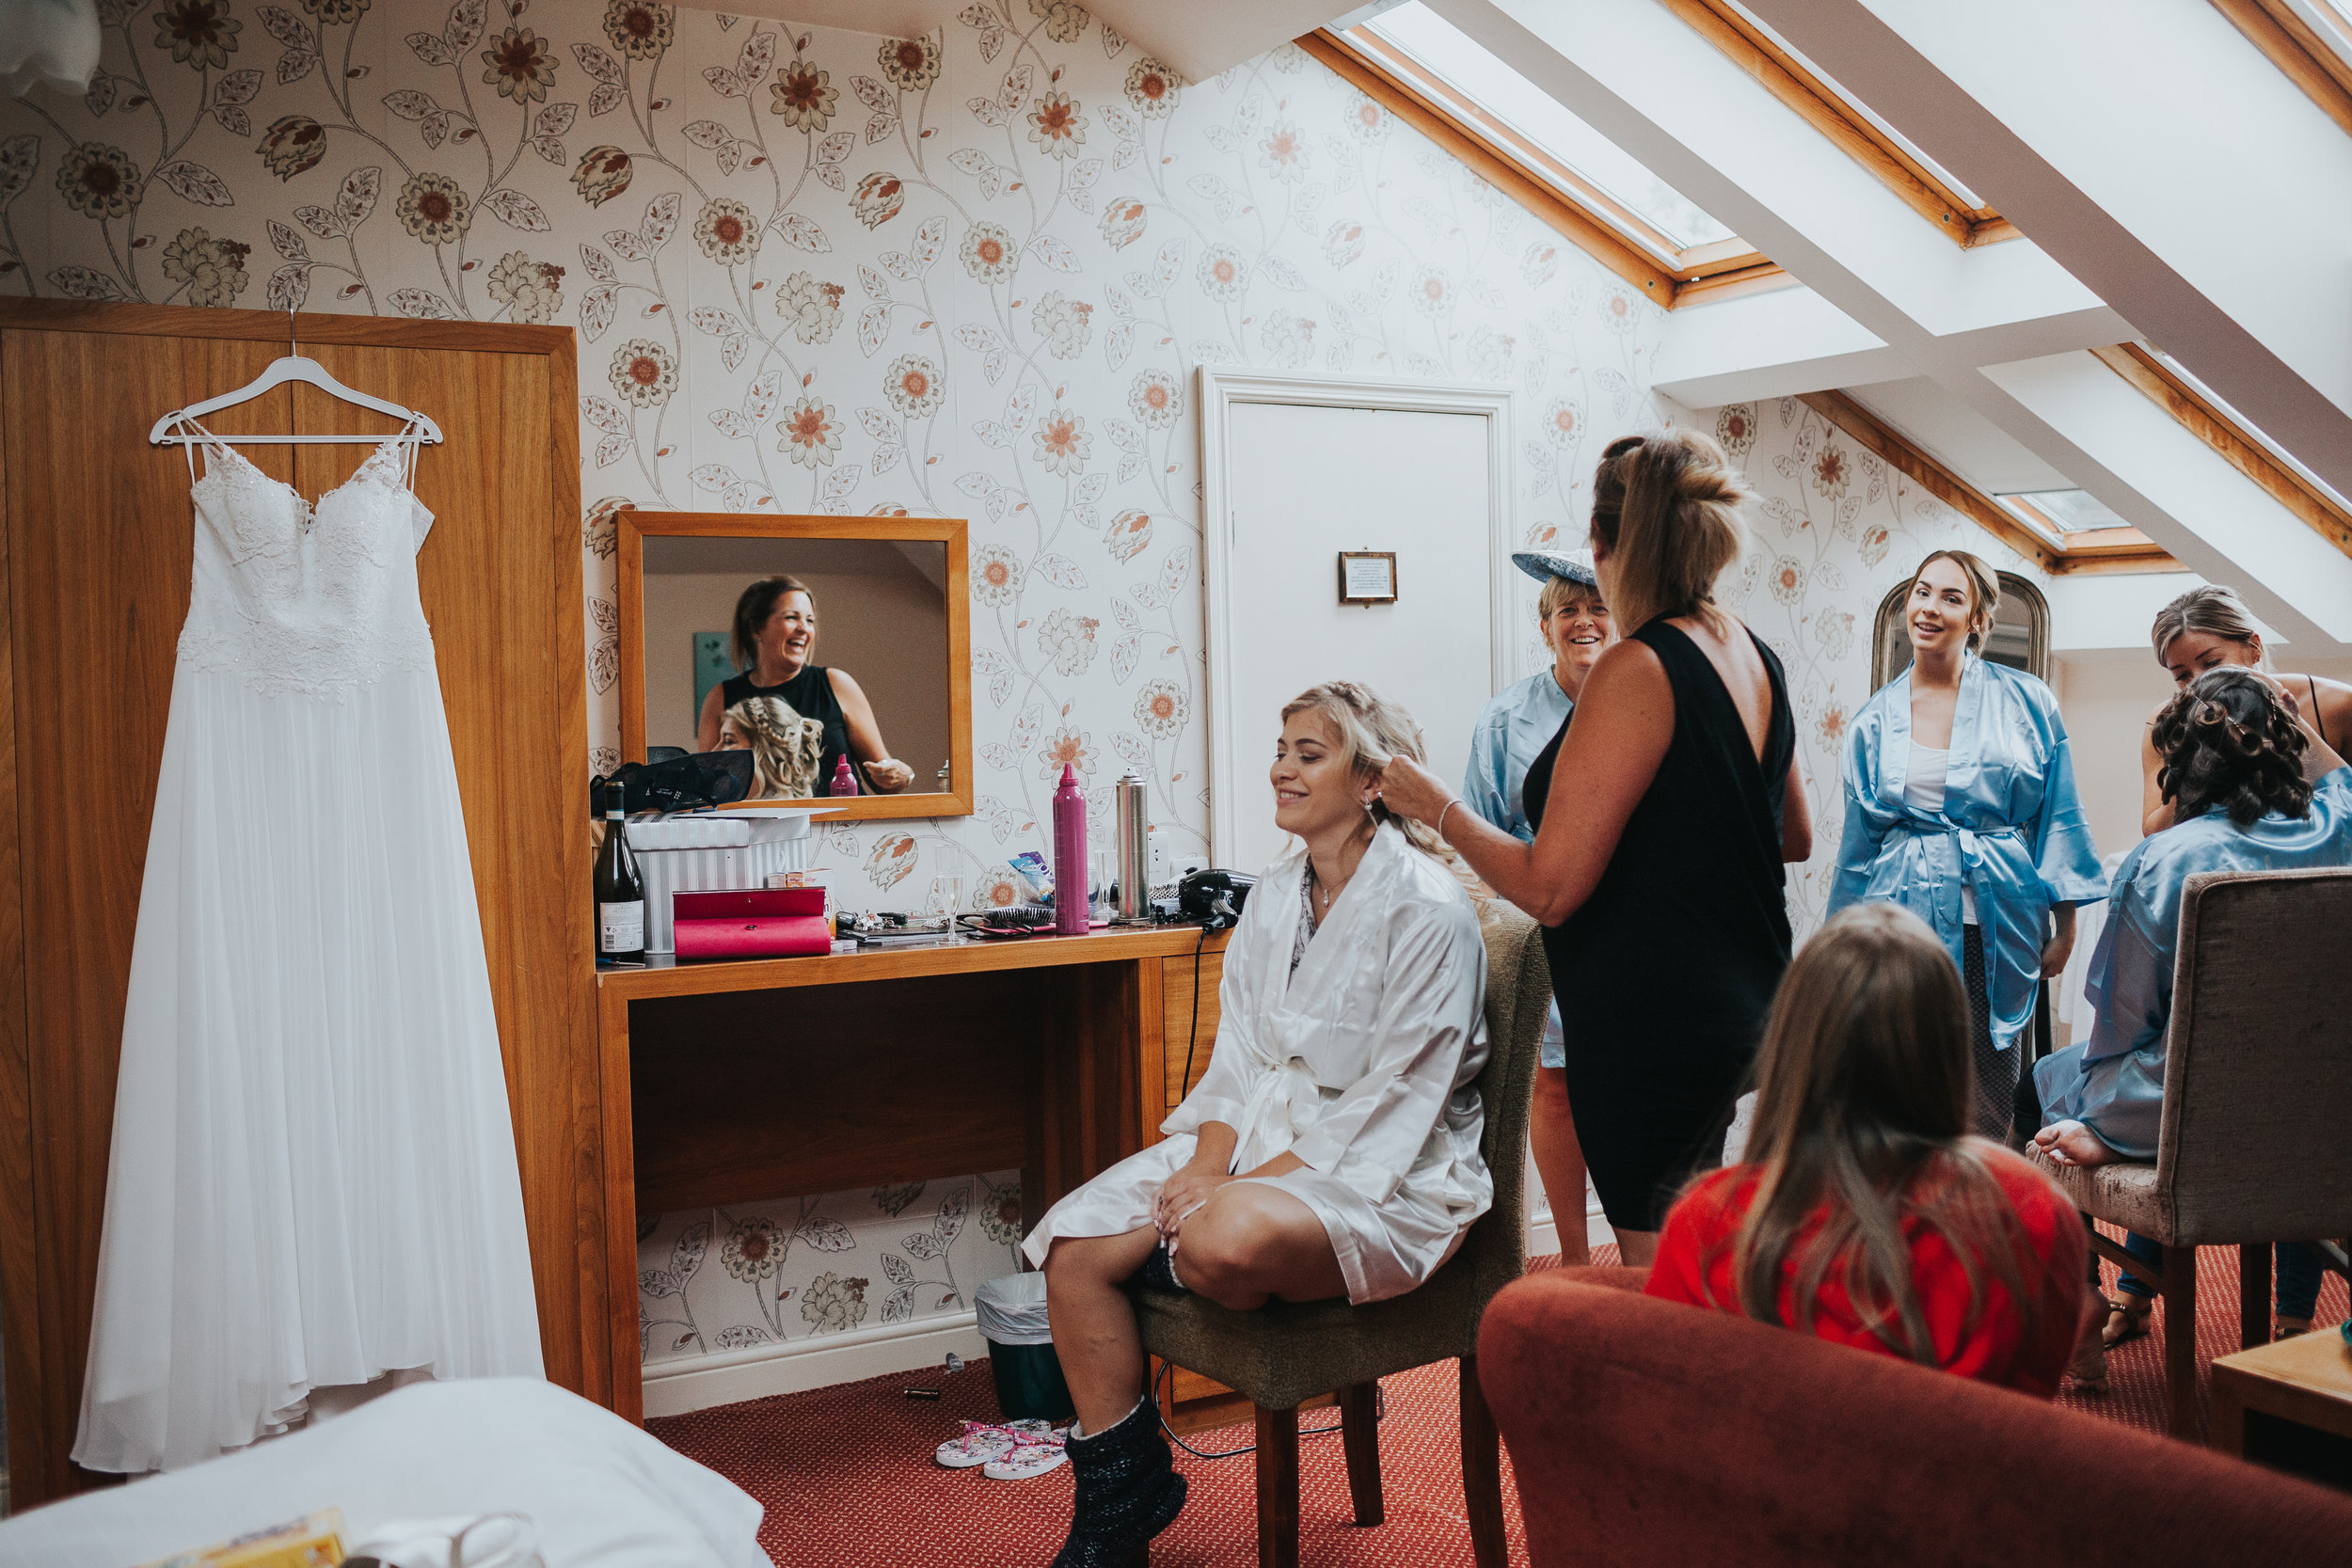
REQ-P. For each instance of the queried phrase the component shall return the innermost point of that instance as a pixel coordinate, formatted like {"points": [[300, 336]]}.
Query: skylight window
{"points": [[1534, 129], [1937, 173], [2060, 513], [2250, 430], [2330, 20]]}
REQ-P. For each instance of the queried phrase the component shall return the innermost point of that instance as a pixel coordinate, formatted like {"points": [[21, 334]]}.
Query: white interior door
{"points": [[1304, 481]]}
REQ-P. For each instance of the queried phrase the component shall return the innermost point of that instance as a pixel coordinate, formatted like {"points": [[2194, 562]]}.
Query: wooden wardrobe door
{"points": [[94, 578]]}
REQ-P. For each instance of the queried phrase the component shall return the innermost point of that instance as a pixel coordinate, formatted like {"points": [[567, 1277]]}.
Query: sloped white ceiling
{"points": [[1200, 38]]}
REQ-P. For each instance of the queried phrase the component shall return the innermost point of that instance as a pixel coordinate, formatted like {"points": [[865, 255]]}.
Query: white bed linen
{"points": [[603, 1492]]}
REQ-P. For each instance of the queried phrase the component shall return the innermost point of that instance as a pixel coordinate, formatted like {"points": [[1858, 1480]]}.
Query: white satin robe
{"points": [[1361, 1062]]}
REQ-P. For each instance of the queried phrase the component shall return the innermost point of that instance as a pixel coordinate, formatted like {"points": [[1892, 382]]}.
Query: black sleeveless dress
{"points": [[810, 695], [1664, 977]]}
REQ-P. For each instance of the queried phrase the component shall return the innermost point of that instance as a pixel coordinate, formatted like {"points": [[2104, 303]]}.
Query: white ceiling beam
{"points": [[2182, 493], [2159, 155], [1201, 37], [897, 19]]}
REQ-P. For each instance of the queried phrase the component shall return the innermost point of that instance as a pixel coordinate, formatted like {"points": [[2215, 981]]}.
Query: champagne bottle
{"points": [[620, 891]]}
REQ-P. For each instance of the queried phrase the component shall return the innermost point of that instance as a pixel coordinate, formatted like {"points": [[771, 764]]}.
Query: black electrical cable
{"points": [[1379, 1413], [1199, 945]]}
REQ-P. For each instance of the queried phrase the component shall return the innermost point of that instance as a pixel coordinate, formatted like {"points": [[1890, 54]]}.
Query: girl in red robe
{"points": [[1863, 1211]]}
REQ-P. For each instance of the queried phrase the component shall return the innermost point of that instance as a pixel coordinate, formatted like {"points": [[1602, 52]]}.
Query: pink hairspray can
{"points": [[1069, 856]]}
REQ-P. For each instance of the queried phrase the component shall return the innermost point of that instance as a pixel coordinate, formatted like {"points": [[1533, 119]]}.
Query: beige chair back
{"points": [[1519, 997], [2256, 1140]]}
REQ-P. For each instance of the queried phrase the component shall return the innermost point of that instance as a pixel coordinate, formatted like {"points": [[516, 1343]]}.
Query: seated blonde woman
{"points": [[786, 749], [1330, 1150]]}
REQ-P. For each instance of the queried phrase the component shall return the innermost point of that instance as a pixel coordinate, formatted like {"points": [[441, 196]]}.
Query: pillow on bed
{"points": [[603, 1492]]}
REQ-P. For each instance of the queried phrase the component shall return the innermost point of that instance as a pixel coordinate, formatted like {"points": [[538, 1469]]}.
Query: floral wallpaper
{"points": [[729, 1279], [969, 275], [1834, 529]]}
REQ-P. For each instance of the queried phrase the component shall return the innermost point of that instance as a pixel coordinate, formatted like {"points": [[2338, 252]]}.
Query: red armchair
{"points": [[1649, 1433]]}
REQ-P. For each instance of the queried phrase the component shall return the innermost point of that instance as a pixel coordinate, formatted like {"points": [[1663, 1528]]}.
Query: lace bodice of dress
{"points": [[292, 597]]}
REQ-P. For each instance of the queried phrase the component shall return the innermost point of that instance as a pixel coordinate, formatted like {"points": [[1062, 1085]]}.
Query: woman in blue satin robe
{"points": [[1983, 837], [2286, 808]]}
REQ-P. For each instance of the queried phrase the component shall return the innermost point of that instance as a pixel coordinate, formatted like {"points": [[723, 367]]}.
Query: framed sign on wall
{"points": [[1367, 577]]}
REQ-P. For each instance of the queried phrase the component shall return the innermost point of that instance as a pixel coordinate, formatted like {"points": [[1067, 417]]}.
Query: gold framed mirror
{"points": [[811, 640], [2020, 637]]}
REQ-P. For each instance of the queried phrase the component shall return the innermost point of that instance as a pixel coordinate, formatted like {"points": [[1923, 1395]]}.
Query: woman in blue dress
{"points": [[2253, 786], [1961, 807], [1512, 731]]}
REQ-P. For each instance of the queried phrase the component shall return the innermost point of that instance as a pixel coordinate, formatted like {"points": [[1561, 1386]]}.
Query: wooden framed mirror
{"points": [[881, 604]]}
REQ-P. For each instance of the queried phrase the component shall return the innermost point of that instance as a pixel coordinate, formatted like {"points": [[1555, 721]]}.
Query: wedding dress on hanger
{"points": [[312, 1180]]}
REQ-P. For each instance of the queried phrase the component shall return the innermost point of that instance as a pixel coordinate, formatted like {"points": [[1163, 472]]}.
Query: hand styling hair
{"points": [[1863, 1112], [1368, 731], [2229, 740]]}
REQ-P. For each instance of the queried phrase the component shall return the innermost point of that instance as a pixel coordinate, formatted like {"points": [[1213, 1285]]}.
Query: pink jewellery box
{"points": [[752, 923]]}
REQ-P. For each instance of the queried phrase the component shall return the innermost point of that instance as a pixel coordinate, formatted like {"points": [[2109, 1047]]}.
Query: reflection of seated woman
{"points": [[2239, 766], [786, 749], [1330, 1150], [775, 637]]}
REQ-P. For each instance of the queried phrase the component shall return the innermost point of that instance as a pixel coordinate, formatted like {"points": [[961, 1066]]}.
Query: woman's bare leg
{"points": [[1560, 1162], [1093, 1323], [1252, 1242], [1637, 1248]]}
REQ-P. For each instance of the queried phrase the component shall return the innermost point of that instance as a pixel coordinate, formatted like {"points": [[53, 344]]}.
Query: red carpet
{"points": [[846, 1476]]}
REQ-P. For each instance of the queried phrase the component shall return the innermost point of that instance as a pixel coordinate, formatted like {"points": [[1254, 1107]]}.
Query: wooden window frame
{"points": [[1579, 211], [2195, 412], [2301, 55], [1819, 105], [2094, 550]]}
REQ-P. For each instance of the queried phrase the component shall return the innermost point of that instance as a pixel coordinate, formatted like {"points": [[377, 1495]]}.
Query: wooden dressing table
{"points": [[1059, 1055]]}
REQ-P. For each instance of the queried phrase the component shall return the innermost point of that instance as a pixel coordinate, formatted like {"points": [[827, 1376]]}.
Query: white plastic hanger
{"points": [[289, 367]]}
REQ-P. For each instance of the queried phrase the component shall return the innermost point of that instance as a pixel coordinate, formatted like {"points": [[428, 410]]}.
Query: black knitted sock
{"points": [[1128, 1491], [1159, 1271]]}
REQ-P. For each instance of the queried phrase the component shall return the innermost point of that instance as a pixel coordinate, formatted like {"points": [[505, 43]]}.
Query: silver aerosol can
{"points": [[1133, 799]]}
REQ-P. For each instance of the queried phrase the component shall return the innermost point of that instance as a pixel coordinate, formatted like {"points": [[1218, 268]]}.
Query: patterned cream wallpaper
{"points": [[812, 270]]}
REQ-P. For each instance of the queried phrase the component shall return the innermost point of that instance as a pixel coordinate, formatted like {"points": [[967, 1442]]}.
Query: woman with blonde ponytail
{"points": [[1330, 1150], [1663, 810]]}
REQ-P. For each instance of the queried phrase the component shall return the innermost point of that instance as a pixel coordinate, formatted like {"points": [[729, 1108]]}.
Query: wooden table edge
{"points": [[978, 956]]}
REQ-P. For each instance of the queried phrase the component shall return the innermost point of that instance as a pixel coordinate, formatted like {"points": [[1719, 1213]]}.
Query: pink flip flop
{"points": [[984, 1441]]}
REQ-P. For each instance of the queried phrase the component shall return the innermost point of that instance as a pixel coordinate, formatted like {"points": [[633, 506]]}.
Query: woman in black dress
{"points": [[1664, 810], [775, 637]]}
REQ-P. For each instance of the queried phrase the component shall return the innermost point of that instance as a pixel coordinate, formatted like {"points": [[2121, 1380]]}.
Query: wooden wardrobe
{"points": [[96, 543]]}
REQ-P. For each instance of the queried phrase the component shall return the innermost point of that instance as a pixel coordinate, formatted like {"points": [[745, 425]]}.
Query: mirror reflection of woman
{"points": [[788, 751], [2211, 628], [774, 647], [1511, 732], [1961, 807]]}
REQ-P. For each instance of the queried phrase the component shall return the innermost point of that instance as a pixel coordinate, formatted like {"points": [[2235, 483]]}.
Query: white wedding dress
{"points": [[312, 1178]]}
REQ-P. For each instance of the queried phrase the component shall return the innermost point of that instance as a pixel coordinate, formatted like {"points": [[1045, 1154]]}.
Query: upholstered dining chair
{"points": [[2253, 1146], [1285, 1353]]}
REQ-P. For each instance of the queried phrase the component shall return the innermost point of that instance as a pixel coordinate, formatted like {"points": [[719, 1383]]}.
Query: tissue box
{"points": [[312, 1542]]}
